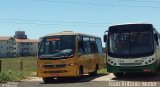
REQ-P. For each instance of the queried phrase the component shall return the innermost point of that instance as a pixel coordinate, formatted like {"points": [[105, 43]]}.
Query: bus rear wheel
{"points": [[95, 72]]}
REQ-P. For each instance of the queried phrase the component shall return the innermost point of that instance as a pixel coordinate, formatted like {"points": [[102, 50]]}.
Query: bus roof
{"points": [[130, 27], [70, 33], [131, 24]]}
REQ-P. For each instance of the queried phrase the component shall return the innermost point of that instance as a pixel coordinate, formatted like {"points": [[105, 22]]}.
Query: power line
{"points": [[71, 2], [46, 21], [41, 24], [98, 4], [57, 23], [146, 1]]}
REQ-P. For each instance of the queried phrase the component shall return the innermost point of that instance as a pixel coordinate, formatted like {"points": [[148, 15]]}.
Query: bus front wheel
{"points": [[47, 80]]}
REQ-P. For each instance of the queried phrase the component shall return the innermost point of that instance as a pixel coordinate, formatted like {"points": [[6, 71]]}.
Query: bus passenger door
{"points": [[82, 55]]}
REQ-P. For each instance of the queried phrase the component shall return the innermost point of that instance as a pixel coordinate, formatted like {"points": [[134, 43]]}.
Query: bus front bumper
{"points": [[152, 68], [69, 71]]}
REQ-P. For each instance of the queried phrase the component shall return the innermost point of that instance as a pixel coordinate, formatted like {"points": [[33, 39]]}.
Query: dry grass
{"points": [[11, 68]]}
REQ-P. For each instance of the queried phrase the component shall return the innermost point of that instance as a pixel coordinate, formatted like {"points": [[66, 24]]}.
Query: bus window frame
{"points": [[93, 51], [80, 53], [95, 42], [130, 56], [100, 45]]}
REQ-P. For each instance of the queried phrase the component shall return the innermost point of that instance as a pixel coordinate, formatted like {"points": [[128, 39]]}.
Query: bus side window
{"points": [[156, 37], [87, 44], [159, 39], [99, 45], [93, 45], [80, 45]]}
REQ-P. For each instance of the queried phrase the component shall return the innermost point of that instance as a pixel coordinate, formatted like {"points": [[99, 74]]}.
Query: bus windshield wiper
{"points": [[53, 56], [46, 56]]}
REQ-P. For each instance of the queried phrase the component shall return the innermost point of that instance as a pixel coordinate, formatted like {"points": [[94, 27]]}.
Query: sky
{"points": [[40, 17]]}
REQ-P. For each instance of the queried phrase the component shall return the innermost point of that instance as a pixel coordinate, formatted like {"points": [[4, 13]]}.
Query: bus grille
{"points": [[130, 64], [131, 70], [55, 66]]}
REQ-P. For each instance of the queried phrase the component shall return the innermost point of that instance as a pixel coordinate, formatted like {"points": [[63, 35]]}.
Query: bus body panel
{"points": [[132, 64], [127, 62], [101, 61], [157, 54], [90, 61]]}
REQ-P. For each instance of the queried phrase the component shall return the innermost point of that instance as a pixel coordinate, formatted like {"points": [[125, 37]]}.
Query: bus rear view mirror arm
{"points": [[105, 37]]}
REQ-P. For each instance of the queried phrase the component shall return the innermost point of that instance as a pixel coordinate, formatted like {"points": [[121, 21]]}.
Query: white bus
{"points": [[132, 48]]}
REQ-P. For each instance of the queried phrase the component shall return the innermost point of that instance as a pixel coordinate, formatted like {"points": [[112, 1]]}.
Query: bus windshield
{"points": [[130, 44], [57, 47]]}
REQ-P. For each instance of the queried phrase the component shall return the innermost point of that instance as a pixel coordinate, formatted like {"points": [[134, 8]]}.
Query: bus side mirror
{"points": [[156, 38], [105, 38], [38, 45]]}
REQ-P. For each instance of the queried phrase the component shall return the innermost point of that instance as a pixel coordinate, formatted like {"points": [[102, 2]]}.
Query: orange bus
{"points": [[69, 54]]}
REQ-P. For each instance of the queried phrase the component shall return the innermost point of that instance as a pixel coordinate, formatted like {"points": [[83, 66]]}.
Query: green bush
{"points": [[4, 76], [11, 68], [11, 76], [102, 71]]}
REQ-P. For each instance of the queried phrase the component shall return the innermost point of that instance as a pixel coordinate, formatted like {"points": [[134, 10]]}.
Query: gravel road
{"points": [[131, 80]]}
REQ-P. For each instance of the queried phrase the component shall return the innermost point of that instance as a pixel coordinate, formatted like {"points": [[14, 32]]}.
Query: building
{"points": [[27, 47], [19, 45], [20, 35], [7, 47]]}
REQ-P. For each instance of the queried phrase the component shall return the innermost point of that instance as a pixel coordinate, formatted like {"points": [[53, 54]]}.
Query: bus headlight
{"points": [[40, 65], [111, 62]]}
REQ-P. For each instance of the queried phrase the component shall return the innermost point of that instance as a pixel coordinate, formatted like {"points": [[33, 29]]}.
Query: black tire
{"points": [[80, 74], [81, 71], [95, 72], [48, 80], [119, 75]]}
